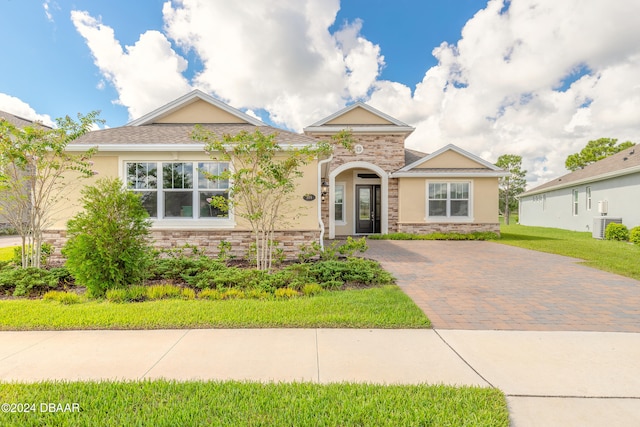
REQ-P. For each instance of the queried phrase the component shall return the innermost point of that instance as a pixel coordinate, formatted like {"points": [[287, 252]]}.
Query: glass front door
{"points": [[368, 203]]}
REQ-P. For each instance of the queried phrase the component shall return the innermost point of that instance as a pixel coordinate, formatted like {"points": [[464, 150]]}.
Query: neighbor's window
{"points": [[448, 199], [181, 191], [338, 204], [575, 202], [588, 191]]}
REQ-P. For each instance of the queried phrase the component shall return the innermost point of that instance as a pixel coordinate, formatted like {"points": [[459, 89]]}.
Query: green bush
{"points": [[615, 231], [210, 294], [187, 293], [108, 245], [311, 289], [62, 297], [634, 235], [45, 252], [27, 281], [163, 291], [233, 294], [136, 293], [117, 295]]}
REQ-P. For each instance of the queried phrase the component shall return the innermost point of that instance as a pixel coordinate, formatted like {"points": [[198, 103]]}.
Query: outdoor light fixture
{"points": [[324, 188]]}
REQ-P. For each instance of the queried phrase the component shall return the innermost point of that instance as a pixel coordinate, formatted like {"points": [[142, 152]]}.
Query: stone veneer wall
{"points": [[422, 228], [208, 240]]}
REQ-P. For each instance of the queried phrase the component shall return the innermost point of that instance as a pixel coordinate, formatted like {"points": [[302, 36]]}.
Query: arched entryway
{"points": [[359, 203]]}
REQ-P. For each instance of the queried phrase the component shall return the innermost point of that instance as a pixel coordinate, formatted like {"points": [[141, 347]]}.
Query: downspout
{"points": [[320, 164]]}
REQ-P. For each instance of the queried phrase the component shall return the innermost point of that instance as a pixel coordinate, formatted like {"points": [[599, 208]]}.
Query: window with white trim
{"points": [[588, 192], [181, 191], [448, 199], [338, 203], [575, 202]]}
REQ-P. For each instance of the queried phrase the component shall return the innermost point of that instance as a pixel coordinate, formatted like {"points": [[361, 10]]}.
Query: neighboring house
{"points": [[379, 187], [573, 201], [20, 123]]}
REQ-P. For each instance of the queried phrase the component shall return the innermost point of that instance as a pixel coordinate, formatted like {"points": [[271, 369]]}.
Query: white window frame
{"points": [[343, 220], [449, 217], [588, 200], [575, 201], [193, 222]]}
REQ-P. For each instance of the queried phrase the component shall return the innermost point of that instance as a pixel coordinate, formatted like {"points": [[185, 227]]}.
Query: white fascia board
{"points": [[156, 147], [491, 174], [589, 180], [360, 129]]}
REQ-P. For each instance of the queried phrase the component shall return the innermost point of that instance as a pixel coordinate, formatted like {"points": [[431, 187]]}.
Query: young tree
{"points": [[33, 165], [594, 151], [511, 185], [263, 180]]}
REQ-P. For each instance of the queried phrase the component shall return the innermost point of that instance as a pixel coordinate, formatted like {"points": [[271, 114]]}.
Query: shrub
{"points": [[233, 294], [286, 293], [187, 293], [350, 247], [135, 293], [163, 291], [634, 235], [184, 267], [258, 294], [311, 289], [108, 244], [210, 294], [224, 251], [117, 295], [45, 251], [62, 297], [62, 275], [26, 281], [615, 231]]}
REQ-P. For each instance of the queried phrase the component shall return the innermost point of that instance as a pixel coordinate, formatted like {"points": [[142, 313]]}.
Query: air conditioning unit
{"points": [[600, 224]]}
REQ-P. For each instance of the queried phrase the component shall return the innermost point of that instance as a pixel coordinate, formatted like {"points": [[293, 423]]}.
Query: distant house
{"points": [[379, 187], [608, 187]]}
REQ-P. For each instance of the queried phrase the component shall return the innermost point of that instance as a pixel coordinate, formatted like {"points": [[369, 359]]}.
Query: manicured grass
{"points": [[6, 254], [165, 403], [616, 257], [380, 307]]}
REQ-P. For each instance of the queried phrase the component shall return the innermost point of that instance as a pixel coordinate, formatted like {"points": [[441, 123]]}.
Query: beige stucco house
{"points": [[379, 187]]}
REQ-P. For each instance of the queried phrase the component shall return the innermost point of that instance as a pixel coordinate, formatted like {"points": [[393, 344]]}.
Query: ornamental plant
{"points": [[108, 244], [615, 231]]}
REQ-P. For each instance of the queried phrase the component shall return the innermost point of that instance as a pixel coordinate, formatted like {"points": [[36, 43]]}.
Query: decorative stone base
{"points": [[208, 240], [463, 228]]}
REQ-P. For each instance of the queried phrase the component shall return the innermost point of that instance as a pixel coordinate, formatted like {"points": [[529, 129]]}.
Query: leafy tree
{"points": [[594, 151], [511, 185], [108, 245], [263, 177], [33, 167]]}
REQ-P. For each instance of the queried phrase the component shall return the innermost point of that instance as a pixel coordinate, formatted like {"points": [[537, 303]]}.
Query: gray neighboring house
{"points": [[609, 187]]}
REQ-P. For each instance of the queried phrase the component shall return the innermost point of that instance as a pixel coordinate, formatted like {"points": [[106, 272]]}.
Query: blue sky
{"points": [[538, 78]]}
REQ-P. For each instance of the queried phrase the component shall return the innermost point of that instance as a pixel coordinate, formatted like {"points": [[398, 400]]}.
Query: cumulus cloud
{"points": [[19, 108], [538, 78], [146, 75]]}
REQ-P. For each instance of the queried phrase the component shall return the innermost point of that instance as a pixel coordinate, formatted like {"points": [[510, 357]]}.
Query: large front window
{"points": [[448, 199], [181, 191]]}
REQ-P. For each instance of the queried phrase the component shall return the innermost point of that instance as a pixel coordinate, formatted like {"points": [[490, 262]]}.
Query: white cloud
{"points": [[146, 75], [501, 88], [46, 5], [19, 108]]}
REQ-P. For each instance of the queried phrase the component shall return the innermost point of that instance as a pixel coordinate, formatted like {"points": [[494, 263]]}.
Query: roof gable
{"points": [[196, 107], [450, 156], [360, 117]]}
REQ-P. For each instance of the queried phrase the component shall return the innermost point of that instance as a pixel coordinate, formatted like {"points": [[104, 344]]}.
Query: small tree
{"points": [[511, 185], [263, 180], [594, 151], [108, 244], [33, 165]]}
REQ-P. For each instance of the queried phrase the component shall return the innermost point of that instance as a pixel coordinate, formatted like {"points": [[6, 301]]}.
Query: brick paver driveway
{"points": [[486, 285]]}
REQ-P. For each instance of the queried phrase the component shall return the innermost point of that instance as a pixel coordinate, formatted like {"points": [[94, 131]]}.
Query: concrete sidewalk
{"points": [[587, 378]]}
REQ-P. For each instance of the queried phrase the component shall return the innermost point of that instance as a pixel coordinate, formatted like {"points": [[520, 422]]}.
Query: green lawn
{"points": [[380, 307], [616, 257], [166, 403]]}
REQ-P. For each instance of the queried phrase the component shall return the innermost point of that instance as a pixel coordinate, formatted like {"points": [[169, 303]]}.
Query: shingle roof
{"points": [[18, 121], [180, 134], [411, 156], [612, 165]]}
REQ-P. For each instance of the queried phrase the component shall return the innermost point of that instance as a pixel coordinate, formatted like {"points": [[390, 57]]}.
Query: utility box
{"points": [[603, 207], [600, 224]]}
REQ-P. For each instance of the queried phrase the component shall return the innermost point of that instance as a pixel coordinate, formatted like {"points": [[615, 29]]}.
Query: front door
{"points": [[368, 198]]}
